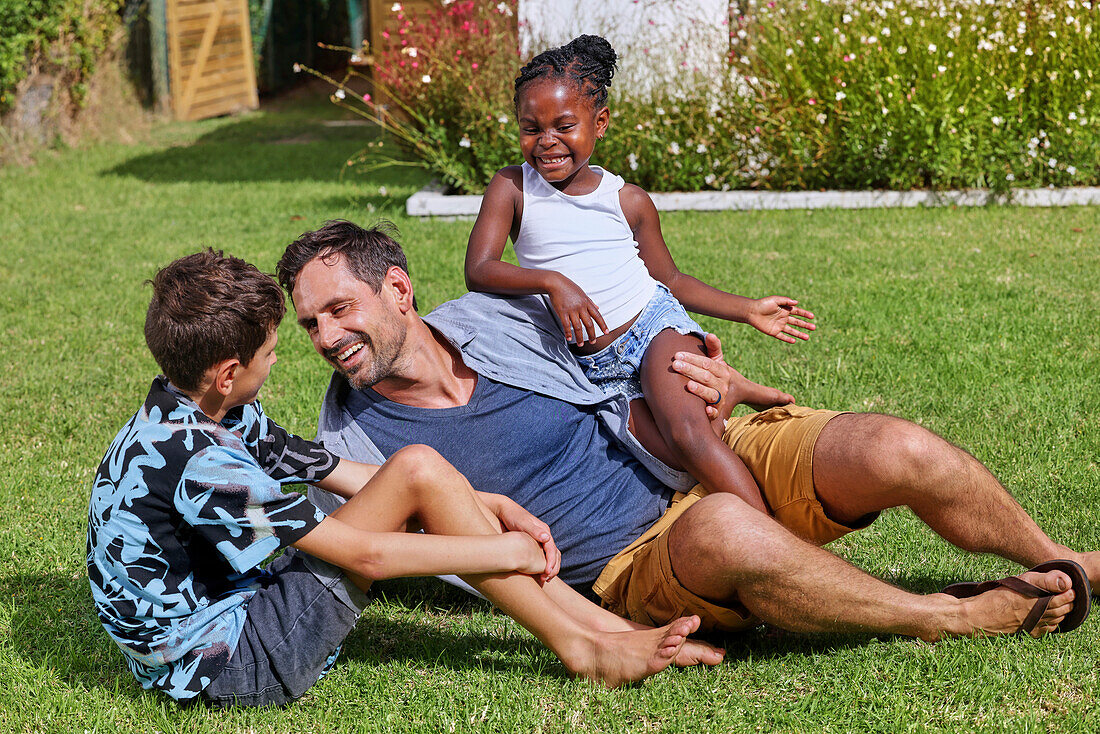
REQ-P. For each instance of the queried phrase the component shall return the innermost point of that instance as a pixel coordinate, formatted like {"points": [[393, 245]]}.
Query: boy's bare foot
{"points": [[697, 652], [1002, 611], [616, 658], [755, 395]]}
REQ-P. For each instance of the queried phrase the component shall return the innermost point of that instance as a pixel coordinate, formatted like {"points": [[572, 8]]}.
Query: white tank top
{"points": [[587, 239]]}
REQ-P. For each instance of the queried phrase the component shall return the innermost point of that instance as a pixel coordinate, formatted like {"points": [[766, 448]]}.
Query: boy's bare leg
{"points": [[722, 550], [417, 484], [864, 463]]}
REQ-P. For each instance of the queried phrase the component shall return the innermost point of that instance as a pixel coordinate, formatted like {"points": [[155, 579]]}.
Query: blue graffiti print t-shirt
{"points": [[183, 512]]}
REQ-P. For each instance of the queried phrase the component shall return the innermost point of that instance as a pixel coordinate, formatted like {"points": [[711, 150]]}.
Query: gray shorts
{"points": [[291, 636]]}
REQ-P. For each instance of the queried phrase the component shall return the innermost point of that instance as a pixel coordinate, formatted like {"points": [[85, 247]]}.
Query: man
{"points": [[489, 383]]}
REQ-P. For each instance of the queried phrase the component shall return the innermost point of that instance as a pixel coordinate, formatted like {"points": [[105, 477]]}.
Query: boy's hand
{"points": [[579, 315], [777, 316], [513, 517], [529, 557]]}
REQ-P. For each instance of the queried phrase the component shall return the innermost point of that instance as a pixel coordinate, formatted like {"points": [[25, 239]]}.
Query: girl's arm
{"points": [[774, 315], [501, 211]]}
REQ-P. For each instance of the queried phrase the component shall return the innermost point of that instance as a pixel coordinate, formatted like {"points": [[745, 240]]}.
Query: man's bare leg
{"points": [[418, 484], [722, 549], [865, 463]]}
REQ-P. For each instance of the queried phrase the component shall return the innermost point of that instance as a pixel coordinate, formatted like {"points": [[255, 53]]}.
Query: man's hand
{"points": [[709, 378], [778, 316], [514, 517]]}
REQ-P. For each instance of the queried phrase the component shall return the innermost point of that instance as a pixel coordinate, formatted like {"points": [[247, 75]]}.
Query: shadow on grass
{"points": [[270, 148], [54, 625]]}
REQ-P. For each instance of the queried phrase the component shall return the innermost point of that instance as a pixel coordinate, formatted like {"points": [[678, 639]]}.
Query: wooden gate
{"points": [[210, 58]]}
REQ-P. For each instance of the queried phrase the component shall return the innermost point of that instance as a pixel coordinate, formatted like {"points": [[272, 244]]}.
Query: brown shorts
{"points": [[777, 446]]}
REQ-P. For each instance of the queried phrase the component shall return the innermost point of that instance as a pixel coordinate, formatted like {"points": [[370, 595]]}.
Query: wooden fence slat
{"points": [[210, 57]]}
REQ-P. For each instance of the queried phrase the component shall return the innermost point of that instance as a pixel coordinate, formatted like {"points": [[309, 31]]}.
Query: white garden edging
{"points": [[432, 202]]}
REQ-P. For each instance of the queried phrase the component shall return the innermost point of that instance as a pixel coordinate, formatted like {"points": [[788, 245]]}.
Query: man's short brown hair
{"points": [[207, 308], [368, 253]]}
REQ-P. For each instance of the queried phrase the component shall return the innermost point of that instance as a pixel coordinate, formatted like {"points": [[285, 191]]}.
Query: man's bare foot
{"points": [[1090, 562], [1002, 611], [616, 658], [755, 395]]}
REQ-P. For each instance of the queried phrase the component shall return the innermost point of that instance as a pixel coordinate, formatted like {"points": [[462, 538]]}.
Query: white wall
{"points": [[661, 43]]}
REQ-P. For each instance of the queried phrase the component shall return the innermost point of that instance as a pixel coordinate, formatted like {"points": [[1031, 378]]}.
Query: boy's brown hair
{"points": [[207, 308]]}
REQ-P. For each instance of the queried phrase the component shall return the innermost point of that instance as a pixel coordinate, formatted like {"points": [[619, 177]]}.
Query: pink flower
{"points": [[813, 101], [474, 66], [366, 98]]}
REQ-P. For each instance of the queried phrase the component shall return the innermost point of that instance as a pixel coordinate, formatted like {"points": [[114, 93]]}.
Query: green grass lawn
{"points": [[980, 324]]}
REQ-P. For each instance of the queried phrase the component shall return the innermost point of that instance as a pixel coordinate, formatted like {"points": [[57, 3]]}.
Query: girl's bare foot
{"points": [[1002, 611], [616, 658]]}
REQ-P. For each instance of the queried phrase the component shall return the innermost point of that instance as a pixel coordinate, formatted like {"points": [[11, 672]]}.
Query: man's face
{"points": [[358, 331]]}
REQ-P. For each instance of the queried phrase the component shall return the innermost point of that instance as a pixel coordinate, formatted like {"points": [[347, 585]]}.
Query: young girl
{"points": [[593, 244]]}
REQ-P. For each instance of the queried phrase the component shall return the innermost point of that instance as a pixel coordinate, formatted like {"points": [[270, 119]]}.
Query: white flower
{"points": [[950, 54], [632, 161], [504, 9], [931, 48], [410, 51], [790, 52], [674, 148], [709, 179], [886, 31], [885, 111], [464, 143], [1071, 170], [1028, 51], [1070, 20], [840, 96], [396, 7], [872, 40], [941, 68], [822, 118], [503, 119], [297, 68], [426, 79], [1009, 177], [382, 190], [700, 148], [340, 94], [902, 50], [660, 111], [846, 18], [1073, 115], [907, 20], [997, 120], [1052, 162]]}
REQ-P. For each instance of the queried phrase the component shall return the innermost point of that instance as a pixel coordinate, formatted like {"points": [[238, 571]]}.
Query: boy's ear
{"points": [[401, 287], [603, 120], [222, 375]]}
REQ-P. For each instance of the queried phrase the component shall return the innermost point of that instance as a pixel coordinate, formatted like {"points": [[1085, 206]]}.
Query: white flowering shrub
{"points": [[920, 93], [894, 94]]}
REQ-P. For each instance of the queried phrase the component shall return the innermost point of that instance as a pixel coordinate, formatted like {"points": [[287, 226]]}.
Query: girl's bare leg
{"points": [[418, 484], [681, 419]]}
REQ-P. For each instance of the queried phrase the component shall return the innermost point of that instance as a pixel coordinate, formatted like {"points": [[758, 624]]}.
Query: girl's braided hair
{"points": [[589, 61]]}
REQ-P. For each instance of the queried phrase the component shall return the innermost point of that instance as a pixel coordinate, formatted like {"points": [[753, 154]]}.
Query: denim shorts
{"points": [[616, 369], [293, 632]]}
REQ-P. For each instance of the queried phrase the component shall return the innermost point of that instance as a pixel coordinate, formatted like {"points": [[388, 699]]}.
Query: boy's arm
{"points": [[775, 315], [513, 516], [347, 478], [501, 210], [377, 556]]}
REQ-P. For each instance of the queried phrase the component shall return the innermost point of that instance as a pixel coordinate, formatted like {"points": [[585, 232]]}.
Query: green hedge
{"points": [[66, 35]]}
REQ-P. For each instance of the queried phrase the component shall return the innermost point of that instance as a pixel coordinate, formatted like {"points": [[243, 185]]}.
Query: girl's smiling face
{"points": [[558, 129]]}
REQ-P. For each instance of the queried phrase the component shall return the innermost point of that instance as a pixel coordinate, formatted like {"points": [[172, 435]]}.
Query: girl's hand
{"points": [[578, 314], [777, 316]]}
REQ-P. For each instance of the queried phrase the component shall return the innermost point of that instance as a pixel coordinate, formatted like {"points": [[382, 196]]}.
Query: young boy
{"points": [[188, 503]]}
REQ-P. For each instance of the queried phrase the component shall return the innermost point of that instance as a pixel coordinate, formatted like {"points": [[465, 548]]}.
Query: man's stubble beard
{"points": [[380, 363]]}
